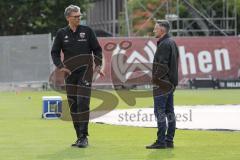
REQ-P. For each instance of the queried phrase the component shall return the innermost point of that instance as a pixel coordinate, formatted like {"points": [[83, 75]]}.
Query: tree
{"points": [[34, 16], [143, 13]]}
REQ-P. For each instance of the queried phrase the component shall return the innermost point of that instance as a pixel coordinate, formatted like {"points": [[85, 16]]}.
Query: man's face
{"points": [[74, 18], [159, 31]]}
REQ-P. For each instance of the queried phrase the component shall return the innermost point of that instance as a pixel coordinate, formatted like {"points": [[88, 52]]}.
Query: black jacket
{"points": [[73, 44], [165, 63]]}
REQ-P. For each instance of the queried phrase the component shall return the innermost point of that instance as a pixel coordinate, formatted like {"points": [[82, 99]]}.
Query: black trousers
{"points": [[78, 88]]}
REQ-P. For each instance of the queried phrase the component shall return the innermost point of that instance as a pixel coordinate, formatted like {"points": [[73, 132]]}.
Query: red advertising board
{"points": [[130, 59]]}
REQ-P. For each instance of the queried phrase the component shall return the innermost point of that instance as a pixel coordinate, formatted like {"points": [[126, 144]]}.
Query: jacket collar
{"points": [[69, 29], [163, 38]]}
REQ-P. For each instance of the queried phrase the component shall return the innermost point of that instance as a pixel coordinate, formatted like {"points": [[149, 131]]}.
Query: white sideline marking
{"points": [[224, 117]]}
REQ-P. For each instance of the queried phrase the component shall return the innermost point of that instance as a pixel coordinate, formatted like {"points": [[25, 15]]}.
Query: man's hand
{"points": [[65, 70], [99, 70]]}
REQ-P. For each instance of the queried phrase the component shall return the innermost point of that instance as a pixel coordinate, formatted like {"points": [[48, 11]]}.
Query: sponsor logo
{"points": [[80, 40], [136, 65], [82, 35]]}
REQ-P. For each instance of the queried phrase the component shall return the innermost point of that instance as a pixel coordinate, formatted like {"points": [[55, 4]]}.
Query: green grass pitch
{"points": [[25, 136]]}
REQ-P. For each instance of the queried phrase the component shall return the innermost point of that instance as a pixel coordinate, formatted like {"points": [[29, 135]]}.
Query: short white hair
{"points": [[71, 8]]}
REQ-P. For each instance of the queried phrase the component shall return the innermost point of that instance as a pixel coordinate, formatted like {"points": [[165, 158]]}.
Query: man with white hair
{"points": [[81, 50]]}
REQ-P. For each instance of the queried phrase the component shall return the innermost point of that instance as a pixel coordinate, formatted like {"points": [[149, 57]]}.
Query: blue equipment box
{"points": [[52, 107]]}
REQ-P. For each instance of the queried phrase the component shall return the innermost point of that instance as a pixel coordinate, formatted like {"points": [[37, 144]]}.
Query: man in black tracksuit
{"points": [[80, 48], [165, 79]]}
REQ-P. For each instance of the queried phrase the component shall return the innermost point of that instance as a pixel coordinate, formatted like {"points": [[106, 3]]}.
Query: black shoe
{"points": [[156, 145], [169, 144], [82, 142], [75, 144]]}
